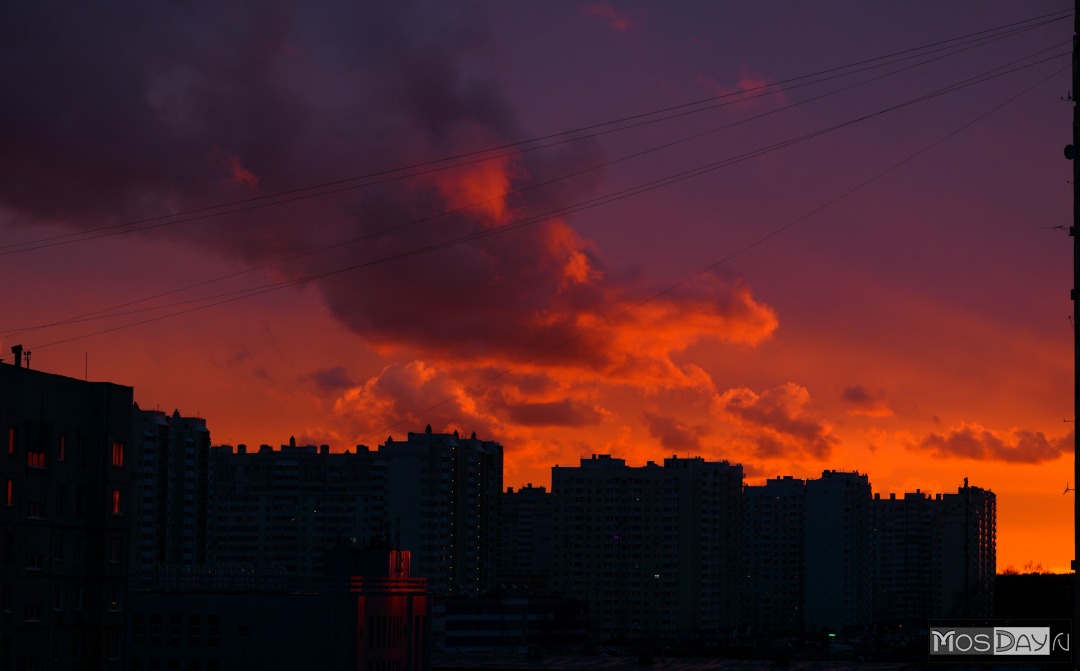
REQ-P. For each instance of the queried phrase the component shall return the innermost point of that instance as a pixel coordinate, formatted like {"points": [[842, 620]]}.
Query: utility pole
{"points": [[1074, 230]]}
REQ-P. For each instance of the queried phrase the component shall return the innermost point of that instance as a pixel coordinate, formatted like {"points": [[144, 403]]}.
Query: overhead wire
{"points": [[562, 137], [581, 206], [112, 311], [416, 416]]}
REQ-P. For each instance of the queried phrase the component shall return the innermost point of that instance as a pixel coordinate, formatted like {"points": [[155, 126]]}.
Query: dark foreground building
{"points": [[372, 616], [65, 515]]}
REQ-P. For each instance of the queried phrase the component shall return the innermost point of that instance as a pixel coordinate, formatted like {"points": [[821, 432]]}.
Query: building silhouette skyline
{"points": [[105, 501]]}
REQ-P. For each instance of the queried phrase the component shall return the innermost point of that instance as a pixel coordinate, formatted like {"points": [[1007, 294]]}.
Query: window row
{"points": [[36, 454]]}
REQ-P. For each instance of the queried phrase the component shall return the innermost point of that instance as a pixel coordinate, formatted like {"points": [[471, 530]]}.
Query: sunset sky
{"points": [[797, 236]]}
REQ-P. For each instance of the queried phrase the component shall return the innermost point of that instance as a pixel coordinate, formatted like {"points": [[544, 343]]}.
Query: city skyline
{"points": [[891, 296]]}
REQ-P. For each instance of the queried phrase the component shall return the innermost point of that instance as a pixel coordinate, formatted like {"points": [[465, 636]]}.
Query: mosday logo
{"points": [[985, 640]]}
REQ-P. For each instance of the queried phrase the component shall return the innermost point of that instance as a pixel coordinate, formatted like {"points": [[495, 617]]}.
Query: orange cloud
{"points": [[416, 393], [616, 20], [673, 434], [865, 403], [481, 188], [778, 422], [974, 441]]}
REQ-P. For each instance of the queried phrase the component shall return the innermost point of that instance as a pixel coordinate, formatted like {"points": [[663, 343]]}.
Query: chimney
{"points": [[17, 351]]}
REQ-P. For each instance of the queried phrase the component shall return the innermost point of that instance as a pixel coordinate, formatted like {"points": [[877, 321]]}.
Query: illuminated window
{"points": [[116, 502], [9, 493], [118, 454], [61, 453], [115, 593], [35, 459]]}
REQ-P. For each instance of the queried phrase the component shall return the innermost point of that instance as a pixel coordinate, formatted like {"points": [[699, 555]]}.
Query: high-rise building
{"points": [[433, 494], [902, 547], [171, 457], [442, 502], [653, 551], [526, 527], [966, 542], [65, 474], [934, 557], [837, 546], [774, 554], [284, 510]]}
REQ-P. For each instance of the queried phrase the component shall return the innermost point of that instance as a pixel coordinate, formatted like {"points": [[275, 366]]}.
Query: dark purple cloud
{"points": [[673, 434], [332, 380], [971, 441], [861, 401], [553, 413], [125, 111]]}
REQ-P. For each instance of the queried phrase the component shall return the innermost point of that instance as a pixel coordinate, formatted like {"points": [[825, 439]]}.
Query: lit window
{"points": [[118, 454], [116, 502], [61, 454], [35, 459], [9, 494], [114, 598]]}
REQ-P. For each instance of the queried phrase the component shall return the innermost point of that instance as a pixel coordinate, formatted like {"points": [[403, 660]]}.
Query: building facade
{"points": [[934, 557], [65, 469], [172, 458], [435, 494], [526, 528], [837, 546], [442, 503], [283, 510], [653, 551], [369, 615], [775, 556]]}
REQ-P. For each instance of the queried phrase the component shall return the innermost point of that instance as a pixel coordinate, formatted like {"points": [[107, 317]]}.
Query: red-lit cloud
{"points": [[674, 434], [400, 390], [778, 422], [863, 402], [974, 441]]}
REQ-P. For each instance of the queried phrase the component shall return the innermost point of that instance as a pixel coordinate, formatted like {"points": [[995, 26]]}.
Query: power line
{"points": [[98, 314], [426, 167], [415, 416], [581, 206]]}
